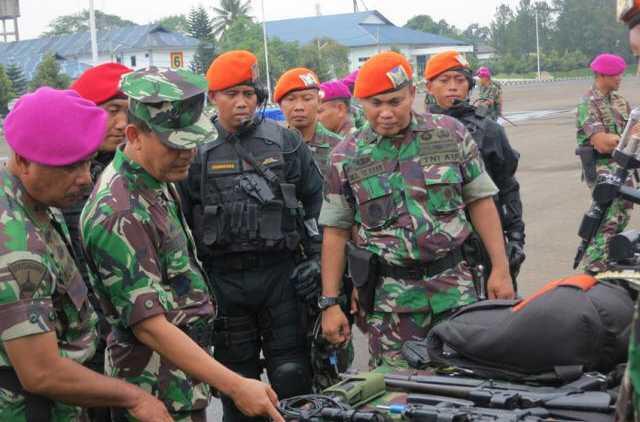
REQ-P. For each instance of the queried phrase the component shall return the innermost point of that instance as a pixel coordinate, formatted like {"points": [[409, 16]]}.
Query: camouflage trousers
{"points": [[627, 406], [615, 221], [121, 415]]}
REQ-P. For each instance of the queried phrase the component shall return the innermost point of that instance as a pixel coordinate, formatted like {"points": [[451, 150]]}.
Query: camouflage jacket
{"points": [[321, 145], [143, 259], [599, 113], [347, 127], [41, 290], [491, 92], [407, 194]]}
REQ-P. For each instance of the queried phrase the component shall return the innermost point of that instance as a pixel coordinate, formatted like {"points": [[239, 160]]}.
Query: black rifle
{"points": [[610, 187], [503, 395]]}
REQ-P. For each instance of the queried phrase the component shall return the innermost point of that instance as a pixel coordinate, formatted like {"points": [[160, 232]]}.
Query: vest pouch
{"points": [[294, 214], [212, 225], [271, 222]]}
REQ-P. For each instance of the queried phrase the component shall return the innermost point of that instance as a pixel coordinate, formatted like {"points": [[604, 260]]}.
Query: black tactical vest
{"points": [[248, 207]]}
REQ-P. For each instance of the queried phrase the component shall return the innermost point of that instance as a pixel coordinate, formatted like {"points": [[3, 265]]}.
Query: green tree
{"points": [[205, 53], [477, 34], [175, 23], [425, 23], [6, 90], [228, 12], [325, 57], [18, 81], [79, 22], [48, 74], [199, 24]]}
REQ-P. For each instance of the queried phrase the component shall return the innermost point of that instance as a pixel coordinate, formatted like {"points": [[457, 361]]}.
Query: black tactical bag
{"points": [[569, 327]]}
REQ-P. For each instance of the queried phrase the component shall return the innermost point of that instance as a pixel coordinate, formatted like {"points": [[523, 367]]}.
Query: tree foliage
{"points": [[228, 13], [175, 23], [18, 81], [79, 22], [6, 90], [199, 24], [426, 23], [48, 74]]}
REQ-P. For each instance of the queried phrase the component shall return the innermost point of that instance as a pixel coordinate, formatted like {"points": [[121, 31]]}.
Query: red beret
{"points": [[381, 73], [295, 79], [101, 83], [441, 62], [232, 68]]}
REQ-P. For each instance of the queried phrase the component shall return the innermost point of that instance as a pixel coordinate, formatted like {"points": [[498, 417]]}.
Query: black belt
{"points": [[425, 270], [37, 408], [248, 260]]}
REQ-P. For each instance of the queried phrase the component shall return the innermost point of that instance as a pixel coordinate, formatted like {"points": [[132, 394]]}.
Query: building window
{"points": [[118, 59], [363, 59], [133, 61]]}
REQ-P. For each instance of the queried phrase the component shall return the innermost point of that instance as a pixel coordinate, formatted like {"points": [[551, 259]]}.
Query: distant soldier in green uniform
{"points": [[601, 118], [146, 274], [297, 93], [628, 404], [47, 324], [356, 109], [489, 93], [404, 182], [334, 111]]}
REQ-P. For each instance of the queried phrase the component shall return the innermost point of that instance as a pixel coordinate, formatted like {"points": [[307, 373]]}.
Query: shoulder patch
{"points": [[28, 273]]}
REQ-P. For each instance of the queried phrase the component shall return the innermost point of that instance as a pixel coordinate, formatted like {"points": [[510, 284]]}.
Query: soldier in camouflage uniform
{"points": [[297, 94], [100, 84], [47, 324], [335, 104], [145, 270], [628, 404], [356, 109], [489, 93], [601, 117], [404, 182]]}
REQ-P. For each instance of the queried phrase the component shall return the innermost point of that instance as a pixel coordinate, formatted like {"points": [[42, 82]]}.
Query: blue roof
{"points": [[353, 30], [67, 48]]}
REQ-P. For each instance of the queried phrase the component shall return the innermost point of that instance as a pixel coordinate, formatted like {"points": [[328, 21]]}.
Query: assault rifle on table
{"points": [[580, 395], [610, 187]]}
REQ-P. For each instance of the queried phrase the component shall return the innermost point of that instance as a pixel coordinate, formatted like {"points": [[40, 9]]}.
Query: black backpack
{"points": [[569, 327]]}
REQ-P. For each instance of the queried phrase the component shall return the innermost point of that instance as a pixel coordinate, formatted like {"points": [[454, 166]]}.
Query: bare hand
{"points": [[605, 143], [335, 325], [149, 409], [255, 398], [500, 286]]}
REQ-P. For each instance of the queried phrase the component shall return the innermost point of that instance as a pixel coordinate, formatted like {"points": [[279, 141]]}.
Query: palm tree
{"points": [[228, 12]]}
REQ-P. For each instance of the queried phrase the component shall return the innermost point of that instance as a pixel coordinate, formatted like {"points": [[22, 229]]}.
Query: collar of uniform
{"points": [[134, 173], [417, 124], [13, 188], [318, 131], [599, 94]]}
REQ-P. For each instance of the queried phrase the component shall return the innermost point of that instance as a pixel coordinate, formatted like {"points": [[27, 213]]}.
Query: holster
{"points": [[477, 257], [588, 157], [365, 273]]}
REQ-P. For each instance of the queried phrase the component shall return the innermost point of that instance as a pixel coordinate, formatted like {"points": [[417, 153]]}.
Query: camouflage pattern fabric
{"points": [[627, 405], [171, 103], [347, 128], [144, 263], [41, 290], [321, 145], [491, 92], [357, 114], [429, 100], [407, 195], [598, 113]]}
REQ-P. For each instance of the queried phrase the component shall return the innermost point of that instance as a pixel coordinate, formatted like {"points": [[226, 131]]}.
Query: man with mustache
{"points": [[101, 85], [601, 118], [404, 182], [145, 271], [335, 106], [47, 324], [252, 198], [449, 79]]}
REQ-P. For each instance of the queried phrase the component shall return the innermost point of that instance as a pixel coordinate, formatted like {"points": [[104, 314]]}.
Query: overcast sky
{"points": [[36, 14]]}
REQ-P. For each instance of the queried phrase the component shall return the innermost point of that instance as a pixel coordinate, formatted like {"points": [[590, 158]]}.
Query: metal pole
{"points": [[92, 29], [538, 44], [266, 49]]}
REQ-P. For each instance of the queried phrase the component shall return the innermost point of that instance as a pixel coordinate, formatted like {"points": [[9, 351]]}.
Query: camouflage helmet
{"points": [[171, 103]]}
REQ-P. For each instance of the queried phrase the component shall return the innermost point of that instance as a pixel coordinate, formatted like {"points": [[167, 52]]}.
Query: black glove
{"points": [[516, 256], [305, 278]]}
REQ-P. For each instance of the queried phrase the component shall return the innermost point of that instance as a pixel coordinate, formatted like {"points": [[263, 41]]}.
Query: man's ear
{"points": [[133, 136], [23, 166]]}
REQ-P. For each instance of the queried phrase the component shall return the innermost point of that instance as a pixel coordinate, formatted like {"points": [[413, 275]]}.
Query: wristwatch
{"points": [[325, 302]]}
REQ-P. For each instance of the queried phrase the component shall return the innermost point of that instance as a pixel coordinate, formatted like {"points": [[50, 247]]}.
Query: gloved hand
{"points": [[305, 279], [516, 256]]}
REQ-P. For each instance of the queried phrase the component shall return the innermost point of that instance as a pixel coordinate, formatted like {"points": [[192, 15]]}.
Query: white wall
{"points": [[358, 53], [144, 58]]}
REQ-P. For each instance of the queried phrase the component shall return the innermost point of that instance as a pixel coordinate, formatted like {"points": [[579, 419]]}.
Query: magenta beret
{"points": [[55, 127], [608, 65], [334, 90], [350, 79], [484, 72]]}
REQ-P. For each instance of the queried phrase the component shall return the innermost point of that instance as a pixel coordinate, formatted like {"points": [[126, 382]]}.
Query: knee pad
{"points": [[291, 378]]}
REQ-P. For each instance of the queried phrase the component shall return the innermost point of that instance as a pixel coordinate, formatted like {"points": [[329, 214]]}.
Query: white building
{"points": [[365, 34], [136, 46]]}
